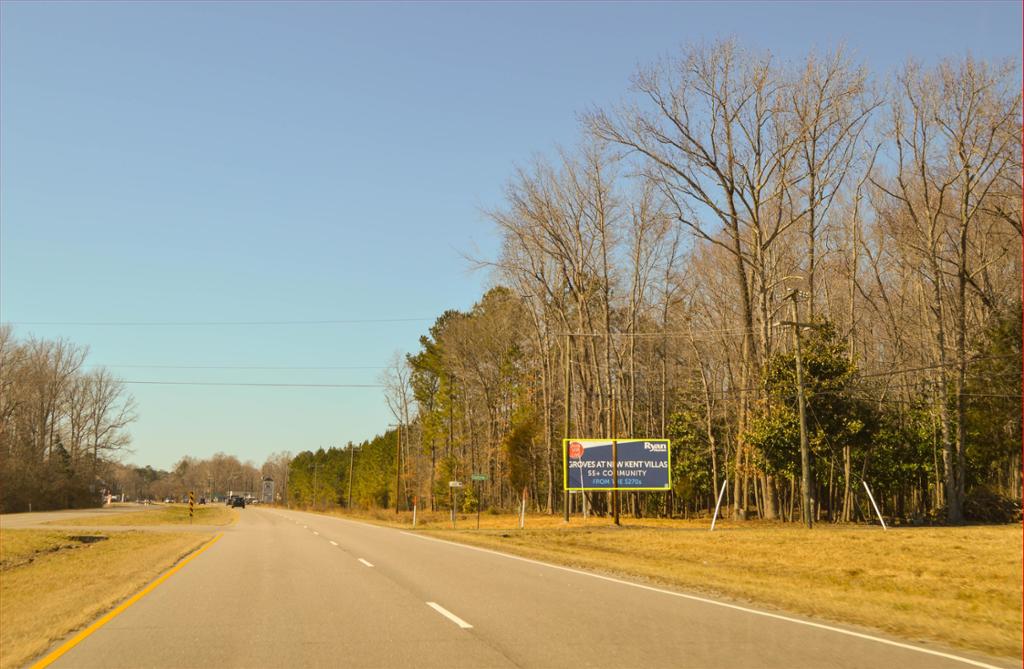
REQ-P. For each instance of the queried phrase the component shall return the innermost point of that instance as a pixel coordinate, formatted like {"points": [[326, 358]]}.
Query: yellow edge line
{"points": [[81, 636]]}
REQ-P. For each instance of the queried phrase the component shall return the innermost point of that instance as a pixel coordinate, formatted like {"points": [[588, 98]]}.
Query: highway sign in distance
{"points": [[454, 484], [479, 477]]}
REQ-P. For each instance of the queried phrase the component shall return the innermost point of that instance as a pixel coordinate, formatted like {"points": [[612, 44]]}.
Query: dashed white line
{"points": [[450, 616], [316, 533], [365, 562], [334, 543], [704, 600]]}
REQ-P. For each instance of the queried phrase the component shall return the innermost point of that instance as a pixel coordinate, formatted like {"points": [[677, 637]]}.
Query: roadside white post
{"points": [[522, 511], [415, 503], [718, 504], [872, 498]]}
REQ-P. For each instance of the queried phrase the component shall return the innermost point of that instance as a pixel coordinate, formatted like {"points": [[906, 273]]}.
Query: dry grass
{"points": [[37, 608], [956, 585], [175, 514]]}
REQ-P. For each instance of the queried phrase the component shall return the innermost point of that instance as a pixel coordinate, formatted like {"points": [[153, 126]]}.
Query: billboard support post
{"points": [[568, 400], [615, 460], [615, 477]]}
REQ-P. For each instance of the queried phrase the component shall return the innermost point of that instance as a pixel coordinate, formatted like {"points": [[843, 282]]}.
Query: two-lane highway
{"points": [[290, 589]]}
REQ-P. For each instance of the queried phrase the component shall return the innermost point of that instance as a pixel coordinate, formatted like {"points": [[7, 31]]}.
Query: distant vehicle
{"points": [[202, 500], [238, 501], [168, 500]]}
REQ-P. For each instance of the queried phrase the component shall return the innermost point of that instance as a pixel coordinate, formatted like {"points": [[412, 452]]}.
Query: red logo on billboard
{"points": [[575, 450]]}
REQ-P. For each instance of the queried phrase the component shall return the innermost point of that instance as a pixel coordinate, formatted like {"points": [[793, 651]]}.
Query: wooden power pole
{"points": [[805, 451]]}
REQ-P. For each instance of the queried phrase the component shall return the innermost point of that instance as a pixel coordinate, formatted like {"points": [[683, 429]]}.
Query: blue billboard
{"points": [[644, 464]]}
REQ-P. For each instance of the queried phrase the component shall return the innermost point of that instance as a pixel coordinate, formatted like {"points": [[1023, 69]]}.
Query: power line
{"points": [[217, 323], [935, 366], [262, 385], [696, 334], [250, 367]]}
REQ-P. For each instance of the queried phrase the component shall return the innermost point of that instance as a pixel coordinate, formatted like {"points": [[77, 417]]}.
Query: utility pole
{"points": [[351, 460], [398, 464], [316, 465], [568, 399], [805, 451]]}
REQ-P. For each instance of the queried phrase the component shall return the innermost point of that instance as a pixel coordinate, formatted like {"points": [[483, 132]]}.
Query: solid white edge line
{"points": [[776, 616], [334, 543], [365, 562], [450, 616], [704, 600]]}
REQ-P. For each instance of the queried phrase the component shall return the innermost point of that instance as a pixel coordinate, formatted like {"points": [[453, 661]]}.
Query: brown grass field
{"points": [[173, 514], [960, 586], [37, 608]]}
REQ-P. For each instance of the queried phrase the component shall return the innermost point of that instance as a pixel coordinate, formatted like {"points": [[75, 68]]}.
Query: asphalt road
{"points": [[290, 589], [11, 521]]}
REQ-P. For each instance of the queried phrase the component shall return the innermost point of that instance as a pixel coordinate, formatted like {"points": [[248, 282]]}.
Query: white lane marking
{"points": [[713, 602], [450, 616], [334, 543], [365, 562], [306, 526], [316, 533]]}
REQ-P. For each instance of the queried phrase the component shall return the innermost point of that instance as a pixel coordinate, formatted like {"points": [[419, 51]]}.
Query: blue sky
{"points": [[320, 161]]}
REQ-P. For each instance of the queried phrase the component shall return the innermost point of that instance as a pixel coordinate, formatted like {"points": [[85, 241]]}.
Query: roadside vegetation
{"points": [[175, 514], [655, 279], [957, 586], [37, 606]]}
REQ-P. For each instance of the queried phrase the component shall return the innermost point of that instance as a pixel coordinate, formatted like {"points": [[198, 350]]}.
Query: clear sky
{"points": [[197, 162]]}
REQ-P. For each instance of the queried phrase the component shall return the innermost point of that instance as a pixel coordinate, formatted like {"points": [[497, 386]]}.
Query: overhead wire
{"points": [[264, 385], [341, 321], [241, 367]]}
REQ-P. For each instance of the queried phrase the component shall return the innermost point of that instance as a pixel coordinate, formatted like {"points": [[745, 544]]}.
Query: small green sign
{"points": [[479, 477]]}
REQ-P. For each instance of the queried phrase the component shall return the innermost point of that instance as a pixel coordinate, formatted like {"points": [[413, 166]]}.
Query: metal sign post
{"points": [[453, 496]]}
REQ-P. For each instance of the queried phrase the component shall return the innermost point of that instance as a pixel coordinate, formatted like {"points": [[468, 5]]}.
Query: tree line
{"points": [[654, 280], [62, 427], [211, 478]]}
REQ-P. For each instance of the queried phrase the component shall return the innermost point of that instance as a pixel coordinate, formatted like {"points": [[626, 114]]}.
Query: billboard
{"points": [[644, 464]]}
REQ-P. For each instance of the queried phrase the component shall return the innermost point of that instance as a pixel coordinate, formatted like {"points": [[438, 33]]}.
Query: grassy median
{"points": [[175, 514], [39, 606], [957, 585]]}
